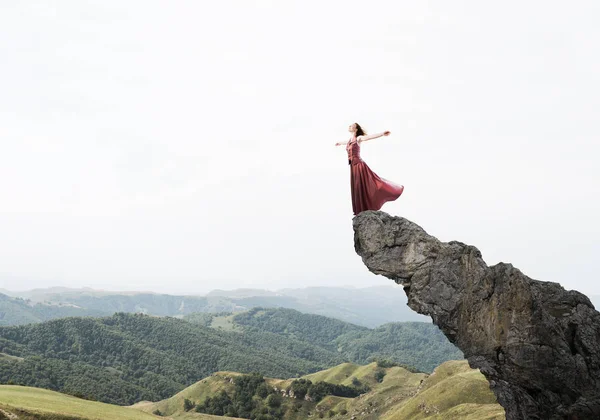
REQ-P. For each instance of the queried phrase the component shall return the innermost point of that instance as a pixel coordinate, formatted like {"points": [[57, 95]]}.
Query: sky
{"points": [[186, 146]]}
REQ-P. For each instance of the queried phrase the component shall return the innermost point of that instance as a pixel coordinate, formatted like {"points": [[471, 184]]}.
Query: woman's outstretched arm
{"points": [[372, 136], [341, 143]]}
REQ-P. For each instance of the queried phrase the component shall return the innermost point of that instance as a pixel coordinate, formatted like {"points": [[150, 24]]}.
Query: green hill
{"points": [[417, 344], [33, 403], [25, 403], [207, 387], [453, 391]]}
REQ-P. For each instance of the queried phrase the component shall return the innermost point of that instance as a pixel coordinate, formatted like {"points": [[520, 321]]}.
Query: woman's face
{"points": [[352, 128]]}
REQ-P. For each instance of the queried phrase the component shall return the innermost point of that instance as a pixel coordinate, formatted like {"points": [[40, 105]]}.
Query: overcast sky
{"points": [[184, 146]]}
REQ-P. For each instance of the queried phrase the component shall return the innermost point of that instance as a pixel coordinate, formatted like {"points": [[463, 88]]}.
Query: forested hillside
{"points": [[127, 358], [417, 344]]}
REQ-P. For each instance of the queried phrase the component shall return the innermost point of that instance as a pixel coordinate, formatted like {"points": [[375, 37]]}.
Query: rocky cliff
{"points": [[537, 343]]}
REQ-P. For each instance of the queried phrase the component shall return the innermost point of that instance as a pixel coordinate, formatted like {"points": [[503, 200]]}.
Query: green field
{"points": [[39, 404], [53, 405], [344, 373]]}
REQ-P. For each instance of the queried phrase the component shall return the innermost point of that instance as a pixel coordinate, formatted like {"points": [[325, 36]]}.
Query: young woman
{"points": [[369, 191]]}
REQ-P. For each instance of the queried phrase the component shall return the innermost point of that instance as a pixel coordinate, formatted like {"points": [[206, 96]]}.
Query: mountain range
{"points": [[369, 307]]}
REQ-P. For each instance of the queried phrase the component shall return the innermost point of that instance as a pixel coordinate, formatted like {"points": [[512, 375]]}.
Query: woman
{"points": [[369, 191]]}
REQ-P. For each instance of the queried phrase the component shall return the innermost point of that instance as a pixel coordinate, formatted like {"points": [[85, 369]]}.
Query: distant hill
{"points": [[453, 391], [241, 293], [18, 311], [417, 344], [127, 358], [369, 307]]}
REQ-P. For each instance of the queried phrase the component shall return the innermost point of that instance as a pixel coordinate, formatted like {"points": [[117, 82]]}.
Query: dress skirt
{"points": [[370, 191]]}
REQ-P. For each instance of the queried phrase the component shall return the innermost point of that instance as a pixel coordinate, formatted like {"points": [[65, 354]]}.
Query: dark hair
{"points": [[359, 130]]}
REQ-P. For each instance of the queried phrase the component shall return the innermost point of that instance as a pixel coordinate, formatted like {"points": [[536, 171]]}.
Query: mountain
{"points": [[452, 391], [369, 307], [130, 302], [18, 311], [241, 293], [127, 358]]}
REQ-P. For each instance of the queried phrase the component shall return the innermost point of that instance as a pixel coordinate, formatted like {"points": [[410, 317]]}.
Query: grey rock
{"points": [[536, 343]]}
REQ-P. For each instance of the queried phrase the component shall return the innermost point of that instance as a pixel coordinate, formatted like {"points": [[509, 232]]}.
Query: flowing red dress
{"points": [[369, 191]]}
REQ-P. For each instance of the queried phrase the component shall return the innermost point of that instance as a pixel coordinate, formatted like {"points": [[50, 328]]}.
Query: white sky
{"points": [[184, 146]]}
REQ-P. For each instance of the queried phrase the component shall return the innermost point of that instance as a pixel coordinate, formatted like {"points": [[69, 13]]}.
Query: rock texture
{"points": [[537, 343]]}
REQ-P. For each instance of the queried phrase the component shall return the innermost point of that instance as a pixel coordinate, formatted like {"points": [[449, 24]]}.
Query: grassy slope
{"points": [[398, 385], [198, 392], [52, 403], [343, 374], [35, 404], [453, 391], [198, 416]]}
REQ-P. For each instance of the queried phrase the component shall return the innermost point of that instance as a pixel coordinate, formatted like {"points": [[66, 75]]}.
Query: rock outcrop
{"points": [[536, 343]]}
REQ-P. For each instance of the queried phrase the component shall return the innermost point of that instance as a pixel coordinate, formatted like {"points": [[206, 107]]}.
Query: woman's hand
{"points": [[386, 133]]}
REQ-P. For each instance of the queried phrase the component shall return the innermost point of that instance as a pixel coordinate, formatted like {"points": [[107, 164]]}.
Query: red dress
{"points": [[369, 191]]}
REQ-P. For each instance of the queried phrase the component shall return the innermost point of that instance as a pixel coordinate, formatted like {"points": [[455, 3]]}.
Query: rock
{"points": [[536, 343]]}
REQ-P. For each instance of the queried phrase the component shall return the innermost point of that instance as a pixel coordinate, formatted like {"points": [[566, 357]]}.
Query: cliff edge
{"points": [[536, 343]]}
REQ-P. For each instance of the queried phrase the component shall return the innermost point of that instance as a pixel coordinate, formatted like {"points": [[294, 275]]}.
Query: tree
{"points": [[188, 405], [300, 388], [274, 400], [379, 375]]}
